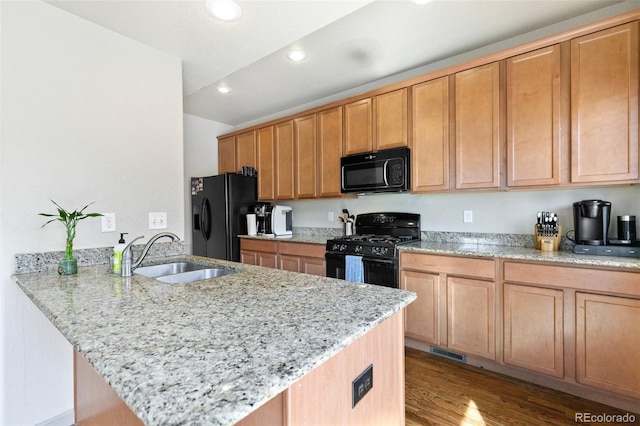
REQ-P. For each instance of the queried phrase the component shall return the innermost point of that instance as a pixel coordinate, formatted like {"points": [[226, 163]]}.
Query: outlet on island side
{"points": [[361, 385]]}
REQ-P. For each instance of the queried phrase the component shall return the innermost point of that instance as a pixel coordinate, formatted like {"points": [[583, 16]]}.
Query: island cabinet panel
{"points": [[329, 152], [246, 150], [422, 317], [358, 126], [391, 118], [471, 316], [533, 329], [478, 136], [95, 402], [305, 156], [265, 161], [324, 395], [604, 105], [533, 118], [430, 136], [227, 155], [284, 164], [270, 414], [608, 343]]}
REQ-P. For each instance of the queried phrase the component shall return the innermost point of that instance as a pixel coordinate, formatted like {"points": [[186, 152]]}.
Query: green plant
{"points": [[70, 220]]}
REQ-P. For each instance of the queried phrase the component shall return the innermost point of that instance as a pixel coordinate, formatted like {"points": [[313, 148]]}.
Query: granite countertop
{"points": [[521, 253], [295, 238], [212, 351]]}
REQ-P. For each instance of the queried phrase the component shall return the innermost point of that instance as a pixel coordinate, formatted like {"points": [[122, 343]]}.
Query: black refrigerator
{"points": [[219, 205]]}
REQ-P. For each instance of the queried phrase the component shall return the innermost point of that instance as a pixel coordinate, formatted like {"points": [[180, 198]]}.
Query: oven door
{"points": [[335, 265], [382, 272]]}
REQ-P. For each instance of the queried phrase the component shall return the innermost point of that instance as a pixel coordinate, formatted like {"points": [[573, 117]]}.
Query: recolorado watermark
{"points": [[604, 418]]}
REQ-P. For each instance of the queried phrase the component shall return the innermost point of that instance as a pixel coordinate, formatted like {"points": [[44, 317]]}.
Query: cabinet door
{"points": [[430, 146], [305, 156], [268, 260], [313, 266], [422, 317], [358, 126], [604, 105], [533, 118], [329, 152], [289, 263], [284, 171], [533, 329], [246, 150], [608, 343], [478, 127], [248, 257], [471, 316], [265, 162], [391, 120], [227, 155]]}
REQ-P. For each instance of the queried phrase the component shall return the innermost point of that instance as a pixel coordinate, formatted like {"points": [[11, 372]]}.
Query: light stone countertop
{"points": [[521, 253], [208, 352]]}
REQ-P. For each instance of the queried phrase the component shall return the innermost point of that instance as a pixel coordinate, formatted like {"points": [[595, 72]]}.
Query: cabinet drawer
{"points": [[302, 249], [573, 277], [450, 265], [258, 245]]}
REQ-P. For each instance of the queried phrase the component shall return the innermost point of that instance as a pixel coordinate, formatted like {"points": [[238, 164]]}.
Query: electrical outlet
{"points": [[108, 222], [468, 216], [361, 385], [330, 216], [157, 220]]}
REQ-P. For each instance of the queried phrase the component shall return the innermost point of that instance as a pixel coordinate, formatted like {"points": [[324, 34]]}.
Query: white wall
{"points": [[86, 115], [200, 158]]}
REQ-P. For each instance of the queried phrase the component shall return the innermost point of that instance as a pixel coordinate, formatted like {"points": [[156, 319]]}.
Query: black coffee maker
{"points": [[591, 222]]}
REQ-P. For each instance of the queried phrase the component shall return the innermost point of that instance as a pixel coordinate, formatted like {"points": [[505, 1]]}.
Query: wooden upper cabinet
{"points": [[329, 152], [284, 153], [430, 133], [391, 120], [305, 156], [358, 129], [604, 105], [227, 155], [477, 109], [246, 150], [265, 160], [533, 118]]}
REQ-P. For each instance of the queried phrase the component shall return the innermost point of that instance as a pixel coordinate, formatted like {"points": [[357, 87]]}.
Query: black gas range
{"points": [[371, 255]]}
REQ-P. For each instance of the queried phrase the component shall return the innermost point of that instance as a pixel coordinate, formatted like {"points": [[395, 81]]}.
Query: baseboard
{"points": [[63, 419]]}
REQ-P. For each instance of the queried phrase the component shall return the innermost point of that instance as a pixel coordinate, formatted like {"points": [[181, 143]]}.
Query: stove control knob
{"points": [[358, 249]]}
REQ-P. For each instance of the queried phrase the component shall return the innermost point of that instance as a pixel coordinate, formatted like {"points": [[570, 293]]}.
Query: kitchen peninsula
{"points": [[218, 350]]}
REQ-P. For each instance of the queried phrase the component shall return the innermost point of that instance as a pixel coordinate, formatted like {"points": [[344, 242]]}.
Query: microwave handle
{"points": [[384, 174]]}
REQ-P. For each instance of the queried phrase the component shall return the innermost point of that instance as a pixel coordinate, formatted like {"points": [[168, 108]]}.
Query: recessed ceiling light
{"points": [[296, 55], [225, 10], [223, 89]]}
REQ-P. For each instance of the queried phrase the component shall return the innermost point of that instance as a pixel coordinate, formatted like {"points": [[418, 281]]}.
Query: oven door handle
{"points": [[378, 260]]}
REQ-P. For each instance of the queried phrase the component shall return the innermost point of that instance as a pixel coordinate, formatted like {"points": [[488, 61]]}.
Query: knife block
{"points": [[546, 242]]}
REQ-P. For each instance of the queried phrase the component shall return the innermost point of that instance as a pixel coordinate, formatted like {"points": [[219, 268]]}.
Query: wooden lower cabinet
{"points": [[572, 328], [608, 343], [307, 258], [533, 328], [323, 396]]}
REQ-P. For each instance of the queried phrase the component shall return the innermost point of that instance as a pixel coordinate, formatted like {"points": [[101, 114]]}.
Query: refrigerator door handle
{"points": [[205, 218]]}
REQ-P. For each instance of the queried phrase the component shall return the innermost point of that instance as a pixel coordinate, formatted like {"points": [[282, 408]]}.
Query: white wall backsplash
{"points": [[87, 115], [512, 212]]}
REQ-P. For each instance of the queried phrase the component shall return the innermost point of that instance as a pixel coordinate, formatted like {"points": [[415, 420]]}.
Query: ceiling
{"points": [[349, 43]]}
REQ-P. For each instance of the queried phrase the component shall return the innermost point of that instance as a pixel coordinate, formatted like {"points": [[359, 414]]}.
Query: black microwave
{"points": [[382, 171]]}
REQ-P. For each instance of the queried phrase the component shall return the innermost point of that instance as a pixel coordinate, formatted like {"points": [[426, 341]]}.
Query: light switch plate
{"points": [[157, 220]]}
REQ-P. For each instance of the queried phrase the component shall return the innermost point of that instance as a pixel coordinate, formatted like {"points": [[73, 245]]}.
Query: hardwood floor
{"points": [[443, 392]]}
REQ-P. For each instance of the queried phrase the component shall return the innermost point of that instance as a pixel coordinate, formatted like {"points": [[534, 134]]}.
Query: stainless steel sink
{"points": [[168, 269], [202, 274], [182, 272]]}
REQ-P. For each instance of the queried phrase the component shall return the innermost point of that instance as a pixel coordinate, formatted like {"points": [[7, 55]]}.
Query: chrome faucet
{"points": [[127, 257]]}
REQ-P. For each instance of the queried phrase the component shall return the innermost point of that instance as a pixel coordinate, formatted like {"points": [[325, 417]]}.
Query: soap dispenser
{"points": [[117, 254]]}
